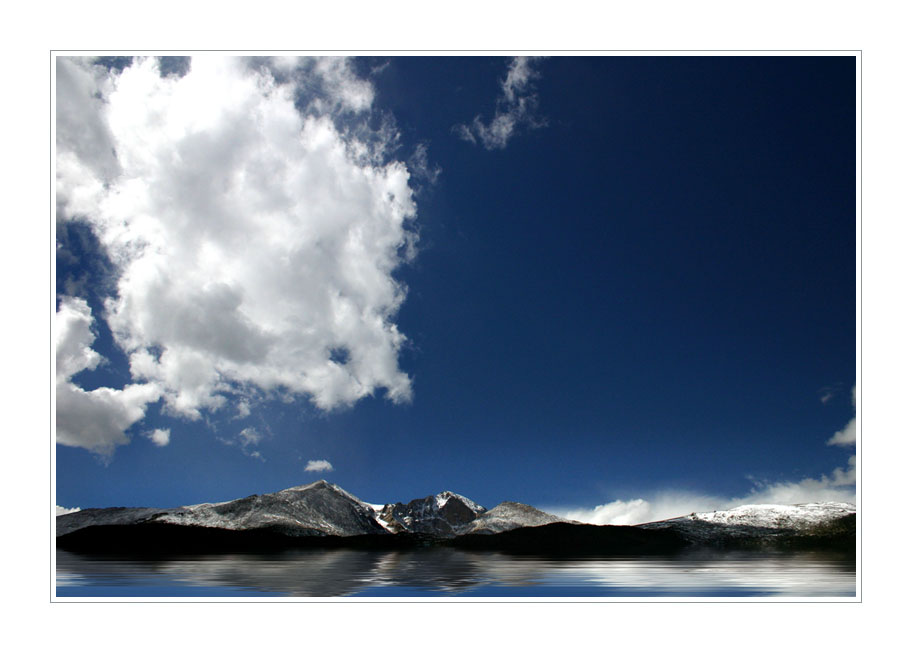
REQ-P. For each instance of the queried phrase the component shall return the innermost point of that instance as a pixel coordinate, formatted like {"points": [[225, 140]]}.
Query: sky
{"points": [[619, 288]]}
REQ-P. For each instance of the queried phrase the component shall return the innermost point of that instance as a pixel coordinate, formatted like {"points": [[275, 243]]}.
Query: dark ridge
{"points": [[159, 537], [576, 539], [557, 539], [837, 535], [114, 517]]}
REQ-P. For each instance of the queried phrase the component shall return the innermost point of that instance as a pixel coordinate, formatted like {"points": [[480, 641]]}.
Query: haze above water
{"points": [[445, 572]]}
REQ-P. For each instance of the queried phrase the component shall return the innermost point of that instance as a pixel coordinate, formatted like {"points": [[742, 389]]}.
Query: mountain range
{"points": [[325, 515]]}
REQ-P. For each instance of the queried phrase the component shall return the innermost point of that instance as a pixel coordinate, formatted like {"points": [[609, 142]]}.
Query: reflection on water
{"points": [[449, 572]]}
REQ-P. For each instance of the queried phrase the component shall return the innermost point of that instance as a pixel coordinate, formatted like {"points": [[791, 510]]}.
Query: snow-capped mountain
{"points": [[507, 516], [443, 514], [802, 515], [760, 520], [327, 514], [319, 508], [75, 521]]}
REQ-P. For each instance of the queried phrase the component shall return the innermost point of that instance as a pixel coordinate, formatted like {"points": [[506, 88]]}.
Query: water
{"points": [[445, 572]]}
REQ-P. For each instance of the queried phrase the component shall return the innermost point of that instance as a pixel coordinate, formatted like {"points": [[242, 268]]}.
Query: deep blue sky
{"points": [[649, 291]]}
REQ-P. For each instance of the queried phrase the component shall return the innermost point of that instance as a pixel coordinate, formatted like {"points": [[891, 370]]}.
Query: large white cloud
{"points": [[255, 243]]}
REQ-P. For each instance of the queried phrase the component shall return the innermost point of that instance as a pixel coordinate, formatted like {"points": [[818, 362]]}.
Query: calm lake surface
{"points": [[445, 572]]}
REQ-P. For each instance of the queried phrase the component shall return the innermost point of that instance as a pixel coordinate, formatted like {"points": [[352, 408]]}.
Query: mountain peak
{"points": [[322, 483], [445, 513], [318, 508], [443, 497], [508, 516]]}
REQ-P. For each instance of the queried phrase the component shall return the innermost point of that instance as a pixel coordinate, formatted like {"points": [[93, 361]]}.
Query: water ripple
{"points": [[449, 572]]}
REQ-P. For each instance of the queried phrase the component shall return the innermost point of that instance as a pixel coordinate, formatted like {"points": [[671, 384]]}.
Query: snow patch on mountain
{"points": [[319, 508], [798, 516], [755, 521], [509, 515]]}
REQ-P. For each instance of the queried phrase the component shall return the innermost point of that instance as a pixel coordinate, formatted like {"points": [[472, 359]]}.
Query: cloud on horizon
{"points": [[60, 510], [516, 107], [255, 222], [837, 486]]}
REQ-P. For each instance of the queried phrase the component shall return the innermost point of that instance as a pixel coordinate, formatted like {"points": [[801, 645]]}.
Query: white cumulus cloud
{"points": [[846, 436], [663, 505], [255, 243], [340, 88], [161, 437], [838, 485], [318, 466], [96, 419], [516, 107]]}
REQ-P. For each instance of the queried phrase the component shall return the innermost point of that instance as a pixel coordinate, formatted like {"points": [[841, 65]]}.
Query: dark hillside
{"points": [[576, 539]]}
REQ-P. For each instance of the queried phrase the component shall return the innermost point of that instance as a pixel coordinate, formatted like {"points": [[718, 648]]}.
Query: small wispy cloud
{"points": [[65, 511], [243, 409], [246, 440], [830, 392], [318, 466], [249, 436], [516, 107], [421, 167]]}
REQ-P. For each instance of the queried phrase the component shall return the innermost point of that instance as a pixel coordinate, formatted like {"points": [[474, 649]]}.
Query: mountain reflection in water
{"points": [[442, 571]]}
